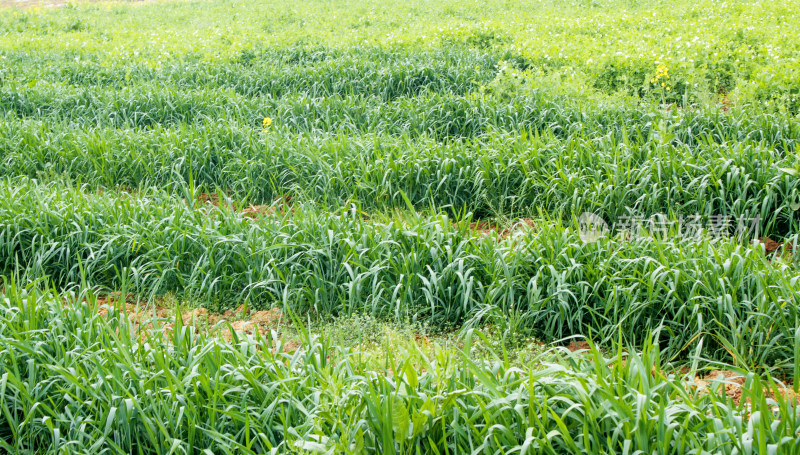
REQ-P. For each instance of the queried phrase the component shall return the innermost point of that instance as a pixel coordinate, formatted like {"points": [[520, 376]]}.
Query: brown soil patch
{"points": [[191, 317], [146, 318], [214, 199], [422, 339], [733, 383], [255, 211], [485, 228], [289, 346], [280, 205], [771, 245], [270, 317], [574, 346], [725, 103], [260, 321], [143, 317], [518, 228]]}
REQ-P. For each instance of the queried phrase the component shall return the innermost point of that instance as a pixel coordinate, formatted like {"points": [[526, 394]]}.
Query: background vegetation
{"points": [[412, 176]]}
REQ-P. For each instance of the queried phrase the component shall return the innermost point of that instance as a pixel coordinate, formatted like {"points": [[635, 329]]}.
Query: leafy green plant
{"points": [[73, 379], [548, 281]]}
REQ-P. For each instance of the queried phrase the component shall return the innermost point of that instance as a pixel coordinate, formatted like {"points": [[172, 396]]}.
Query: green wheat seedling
{"points": [[424, 269], [77, 380]]}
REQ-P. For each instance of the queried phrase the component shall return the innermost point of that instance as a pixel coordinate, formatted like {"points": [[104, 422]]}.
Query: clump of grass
{"points": [[361, 330]]}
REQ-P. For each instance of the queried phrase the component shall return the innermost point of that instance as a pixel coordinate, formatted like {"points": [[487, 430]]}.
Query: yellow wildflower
{"points": [[267, 122]]}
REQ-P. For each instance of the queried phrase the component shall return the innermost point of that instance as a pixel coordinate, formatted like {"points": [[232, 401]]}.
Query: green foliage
{"points": [[426, 271], [73, 380], [612, 163], [777, 88], [390, 147]]}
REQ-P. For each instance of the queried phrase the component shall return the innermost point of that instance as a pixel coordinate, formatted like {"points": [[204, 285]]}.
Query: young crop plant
{"points": [[78, 375], [424, 269]]}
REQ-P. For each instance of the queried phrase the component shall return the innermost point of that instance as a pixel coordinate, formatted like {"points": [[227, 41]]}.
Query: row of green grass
{"points": [[445, 116], [724, 294], [74, 381], [315, 72], [746, 50], [708, 173]]}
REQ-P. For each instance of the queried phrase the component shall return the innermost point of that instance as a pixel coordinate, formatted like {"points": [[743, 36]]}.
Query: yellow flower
{"points": [[662, 72], [267, 122], [667, 88]]}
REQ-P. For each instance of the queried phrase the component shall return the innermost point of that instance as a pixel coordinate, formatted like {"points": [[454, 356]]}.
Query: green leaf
{"points": [[400, 418], [411, 376]]}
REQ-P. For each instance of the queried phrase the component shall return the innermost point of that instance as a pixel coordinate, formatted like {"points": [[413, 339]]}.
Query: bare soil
{"points": [[733, 384], [240, 321], [281, 204], [771, 245], [486, 228], [574, 346]]}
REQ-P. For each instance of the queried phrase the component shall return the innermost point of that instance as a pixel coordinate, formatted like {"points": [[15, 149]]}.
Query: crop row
{"points": [[496, 175], [79, 382], [330, 264], [314, 72], [444, 116]]}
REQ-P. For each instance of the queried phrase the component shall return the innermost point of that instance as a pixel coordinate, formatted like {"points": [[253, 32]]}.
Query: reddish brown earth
{"points": [[486, 228], [730, 382], [239, 321], [574, 346], [733, 385], [281, 204], [771, 246]]}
